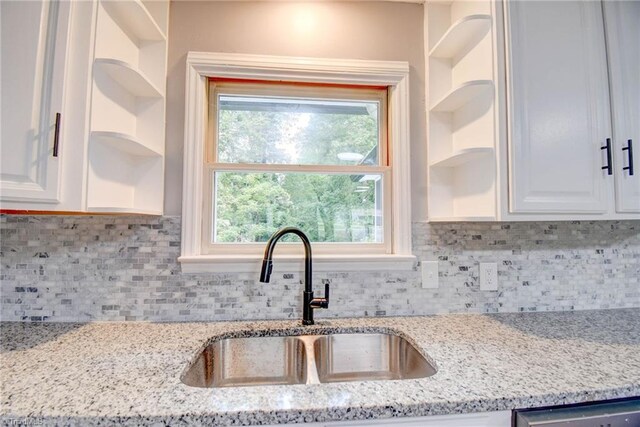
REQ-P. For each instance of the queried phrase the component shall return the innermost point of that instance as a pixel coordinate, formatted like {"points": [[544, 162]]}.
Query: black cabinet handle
{"points": [[56, 136], [629, 150], [609, 165]]}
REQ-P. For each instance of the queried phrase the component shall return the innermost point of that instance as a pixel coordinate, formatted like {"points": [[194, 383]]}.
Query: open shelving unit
{"points": [[127, 132], [461, 116]]}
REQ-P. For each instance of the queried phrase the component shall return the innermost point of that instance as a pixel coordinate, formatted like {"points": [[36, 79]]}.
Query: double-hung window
{"points": [[327, 152], [310, 156]]}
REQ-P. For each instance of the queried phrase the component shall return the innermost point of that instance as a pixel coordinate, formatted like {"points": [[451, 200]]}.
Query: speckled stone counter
{"points": [[129, 373]]}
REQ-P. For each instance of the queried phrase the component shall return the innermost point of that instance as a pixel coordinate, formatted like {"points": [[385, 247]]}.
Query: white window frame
{"points": [[203, 65], [311, 92]]}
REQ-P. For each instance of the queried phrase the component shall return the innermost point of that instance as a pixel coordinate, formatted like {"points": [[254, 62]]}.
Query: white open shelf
{"points": [[129, 77], [127, 136], [462, 36], [121, 182], [134, 18], [466, 192], [126, 143], [461, 126], [136, 50], [461, 157], [463, 94]]}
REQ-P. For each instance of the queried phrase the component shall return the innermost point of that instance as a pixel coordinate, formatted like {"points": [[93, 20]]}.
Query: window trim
{"points": [[203, 65]]}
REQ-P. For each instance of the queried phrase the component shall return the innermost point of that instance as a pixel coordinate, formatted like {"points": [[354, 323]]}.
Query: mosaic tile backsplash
{"points": [[84, 268]]}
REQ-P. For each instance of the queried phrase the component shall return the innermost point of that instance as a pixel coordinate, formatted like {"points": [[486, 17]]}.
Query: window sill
{"points": [[332, 263]]}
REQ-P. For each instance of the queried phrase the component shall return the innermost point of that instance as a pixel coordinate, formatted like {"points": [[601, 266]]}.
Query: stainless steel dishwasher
{"points": [[612, 413]]}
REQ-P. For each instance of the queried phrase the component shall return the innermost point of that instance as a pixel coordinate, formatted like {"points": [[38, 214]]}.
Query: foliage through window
{"points": [[309, 156]]}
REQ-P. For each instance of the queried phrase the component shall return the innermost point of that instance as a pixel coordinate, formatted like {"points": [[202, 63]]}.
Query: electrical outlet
{"points": [[488, 276], [429, 274]]}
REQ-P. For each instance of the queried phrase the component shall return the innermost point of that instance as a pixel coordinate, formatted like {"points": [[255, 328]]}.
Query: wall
{"points": [[57, 268], [352, 30]]}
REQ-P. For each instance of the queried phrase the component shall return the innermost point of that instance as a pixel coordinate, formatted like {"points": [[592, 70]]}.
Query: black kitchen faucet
{"points": [[309, 302]]}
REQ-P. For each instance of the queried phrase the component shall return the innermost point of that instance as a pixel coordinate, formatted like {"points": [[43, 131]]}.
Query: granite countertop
{"points": [[129, 373]]}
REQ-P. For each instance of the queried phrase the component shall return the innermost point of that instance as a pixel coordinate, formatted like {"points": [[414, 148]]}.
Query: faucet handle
{"points": [[321, 302], [326, 293], [324, 302]]}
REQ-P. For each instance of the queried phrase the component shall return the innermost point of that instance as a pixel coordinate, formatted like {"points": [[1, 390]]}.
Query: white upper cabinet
{"points": [[90, 75], [559, 107], [562, 139], [34, 37], [622, 22]]}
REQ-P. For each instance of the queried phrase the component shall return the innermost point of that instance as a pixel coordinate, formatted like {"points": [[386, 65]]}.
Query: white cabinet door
{"points": [[33, 52], [558, 107], [622, 23], [484, 419]]}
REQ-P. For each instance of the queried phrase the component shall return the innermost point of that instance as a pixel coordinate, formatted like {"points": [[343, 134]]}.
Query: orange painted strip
{"points": [[289, 83], [66, 213]]}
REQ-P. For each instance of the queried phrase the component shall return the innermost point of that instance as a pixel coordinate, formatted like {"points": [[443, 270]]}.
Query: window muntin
{"points": [[265, 169]]}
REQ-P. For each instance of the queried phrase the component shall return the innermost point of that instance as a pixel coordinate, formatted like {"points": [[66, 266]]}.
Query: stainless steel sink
{"points": [[363, 357], [236, 362], [306, 359]]}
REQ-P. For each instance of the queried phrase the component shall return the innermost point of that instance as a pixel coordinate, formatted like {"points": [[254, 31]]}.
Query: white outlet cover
{"points": [[429, 274], [488, 276]]}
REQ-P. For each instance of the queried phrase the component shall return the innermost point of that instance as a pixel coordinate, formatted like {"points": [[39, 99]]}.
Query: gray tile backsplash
{"points": [[83, 268]]}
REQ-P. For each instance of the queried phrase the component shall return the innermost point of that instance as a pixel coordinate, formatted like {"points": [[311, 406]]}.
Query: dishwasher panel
{"points": [[618, 413]]}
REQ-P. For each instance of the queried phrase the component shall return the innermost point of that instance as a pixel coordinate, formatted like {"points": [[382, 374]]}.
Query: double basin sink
{"points": [[306, 359]]}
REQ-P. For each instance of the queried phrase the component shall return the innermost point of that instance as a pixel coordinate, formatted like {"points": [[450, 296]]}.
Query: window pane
{"points": [[253, 129], [249, 207]]}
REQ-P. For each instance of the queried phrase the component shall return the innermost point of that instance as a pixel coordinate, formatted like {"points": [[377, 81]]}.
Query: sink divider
{"points": [[312, 370]]}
